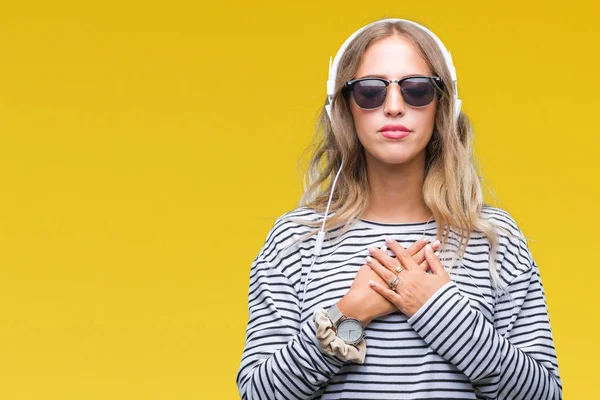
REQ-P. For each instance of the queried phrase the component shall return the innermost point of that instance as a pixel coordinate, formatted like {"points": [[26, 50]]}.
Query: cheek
{"points": [[427, 120], [431, 117], [432, 112], [362, 119]]}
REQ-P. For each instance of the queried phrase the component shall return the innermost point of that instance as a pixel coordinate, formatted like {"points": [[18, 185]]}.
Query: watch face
{"points": [[350, 330]]}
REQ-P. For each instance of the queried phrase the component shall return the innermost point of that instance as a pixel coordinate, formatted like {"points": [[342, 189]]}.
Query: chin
{"points": [[395, 158]]}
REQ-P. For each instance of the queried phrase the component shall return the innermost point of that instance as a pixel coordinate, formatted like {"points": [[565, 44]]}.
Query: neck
{"points": [[396, 192]]}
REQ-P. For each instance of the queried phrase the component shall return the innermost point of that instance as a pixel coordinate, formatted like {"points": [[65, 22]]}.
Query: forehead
{"points": [[392, 57]]}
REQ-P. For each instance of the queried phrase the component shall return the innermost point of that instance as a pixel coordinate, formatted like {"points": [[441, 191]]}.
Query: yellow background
{"points": [[146, 149]]}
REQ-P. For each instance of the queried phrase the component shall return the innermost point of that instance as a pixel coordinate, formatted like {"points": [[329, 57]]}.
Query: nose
{"points": [[394, 103]]}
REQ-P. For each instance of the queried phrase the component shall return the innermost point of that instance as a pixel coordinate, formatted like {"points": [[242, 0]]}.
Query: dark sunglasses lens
{"points": [[417, 92], [369, 93]]}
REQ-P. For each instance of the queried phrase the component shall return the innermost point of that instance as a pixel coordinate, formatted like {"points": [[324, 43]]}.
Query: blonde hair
{"points": [[451, 189]]}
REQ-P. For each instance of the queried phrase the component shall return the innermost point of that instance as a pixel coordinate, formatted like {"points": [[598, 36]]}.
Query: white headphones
{"points": [[333, 67]]}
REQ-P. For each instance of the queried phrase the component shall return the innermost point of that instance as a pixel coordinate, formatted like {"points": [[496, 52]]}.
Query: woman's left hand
{"points": [[415, 286]]}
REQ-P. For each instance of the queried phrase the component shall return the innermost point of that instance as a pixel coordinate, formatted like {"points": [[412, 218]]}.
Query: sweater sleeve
{"points": [[512, 358], [282, 358]]}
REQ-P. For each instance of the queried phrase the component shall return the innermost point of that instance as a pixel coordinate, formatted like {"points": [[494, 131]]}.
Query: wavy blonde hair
{"points": [[451, 190]]}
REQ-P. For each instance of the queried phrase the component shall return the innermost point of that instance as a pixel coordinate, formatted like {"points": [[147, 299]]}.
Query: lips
{"points": [[394, 134], [394, 131], [394, 128]]}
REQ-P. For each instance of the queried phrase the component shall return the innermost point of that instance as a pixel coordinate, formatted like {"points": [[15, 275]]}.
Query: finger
{"points": [[372, 274], [424, 264], [384, 259], [420, 256], [434, 262], [418, 247], [405, 259], [390, 295], [380, 270]]}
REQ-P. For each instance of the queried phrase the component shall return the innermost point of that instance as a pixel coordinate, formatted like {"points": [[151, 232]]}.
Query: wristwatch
{"points": [[350, 330]]}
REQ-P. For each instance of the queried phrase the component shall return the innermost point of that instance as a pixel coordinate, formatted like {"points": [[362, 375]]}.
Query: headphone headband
{"points": [[333, 65]]}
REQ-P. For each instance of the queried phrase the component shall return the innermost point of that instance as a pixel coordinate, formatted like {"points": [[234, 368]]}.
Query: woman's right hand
{"points": [[362, 302]]}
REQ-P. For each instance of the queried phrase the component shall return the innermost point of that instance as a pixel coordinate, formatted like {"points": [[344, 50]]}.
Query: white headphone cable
{"points": [[320, 236]]}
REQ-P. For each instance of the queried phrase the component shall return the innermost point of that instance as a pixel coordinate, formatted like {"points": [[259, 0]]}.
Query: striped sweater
{"points": [[469, 341]]}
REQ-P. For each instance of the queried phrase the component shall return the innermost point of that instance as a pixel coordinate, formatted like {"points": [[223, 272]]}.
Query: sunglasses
{"points": [[417, 91]]}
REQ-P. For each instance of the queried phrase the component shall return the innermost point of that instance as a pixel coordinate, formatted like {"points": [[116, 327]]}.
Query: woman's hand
{"points": [[415, 286], [362, 303]]}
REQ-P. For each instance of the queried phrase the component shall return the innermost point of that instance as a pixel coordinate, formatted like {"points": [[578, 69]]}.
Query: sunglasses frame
{"points": [[435, 81]]}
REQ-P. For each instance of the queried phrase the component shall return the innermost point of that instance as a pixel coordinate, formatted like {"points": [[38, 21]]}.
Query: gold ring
{"points": [[399, 269], [394, 283]]}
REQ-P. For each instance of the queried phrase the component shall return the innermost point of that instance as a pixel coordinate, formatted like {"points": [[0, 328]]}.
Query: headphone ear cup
{"points": [[457, 106]]}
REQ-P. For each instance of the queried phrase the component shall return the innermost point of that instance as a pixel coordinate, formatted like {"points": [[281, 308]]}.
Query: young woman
{"points": [[366, 308]]}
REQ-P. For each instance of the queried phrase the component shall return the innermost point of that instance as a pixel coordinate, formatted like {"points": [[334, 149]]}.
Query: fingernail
{"points": [[428, 248], [437, 242], [369, 259], [425, 239], [384, 249], [388, 239], [371, 249], [437, 253], [372, 283]]}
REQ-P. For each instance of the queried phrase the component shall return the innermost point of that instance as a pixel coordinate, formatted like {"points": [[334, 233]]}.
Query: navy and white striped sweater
{"points": [[466, 342]]}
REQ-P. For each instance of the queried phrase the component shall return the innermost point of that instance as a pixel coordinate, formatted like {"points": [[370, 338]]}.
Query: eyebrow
{"points": [[384, 77]]}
